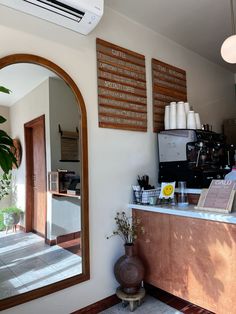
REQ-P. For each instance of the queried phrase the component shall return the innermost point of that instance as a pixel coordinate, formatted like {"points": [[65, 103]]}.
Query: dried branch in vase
{"points": [[127, 228]]}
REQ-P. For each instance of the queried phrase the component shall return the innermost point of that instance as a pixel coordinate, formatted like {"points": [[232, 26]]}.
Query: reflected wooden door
{"points": [[35, 176]]}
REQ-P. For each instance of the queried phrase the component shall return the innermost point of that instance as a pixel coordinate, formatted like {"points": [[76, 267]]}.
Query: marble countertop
{"points": [[188, 211]]}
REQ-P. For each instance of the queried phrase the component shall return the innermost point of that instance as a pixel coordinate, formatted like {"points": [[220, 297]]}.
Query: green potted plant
{"points": [[5, 189], [7, 158], [11, 217], [5, 184]]}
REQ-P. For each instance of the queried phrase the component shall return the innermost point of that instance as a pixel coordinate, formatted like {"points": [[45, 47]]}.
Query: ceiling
{"points": [[199, 25], [21, 79]]}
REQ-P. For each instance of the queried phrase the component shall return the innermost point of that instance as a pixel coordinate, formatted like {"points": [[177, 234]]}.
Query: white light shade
{"points": [[228, 49]]}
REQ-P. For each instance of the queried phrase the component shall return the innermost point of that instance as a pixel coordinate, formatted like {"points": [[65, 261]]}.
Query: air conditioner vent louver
{"points": [[59, 8], [78, 15]]}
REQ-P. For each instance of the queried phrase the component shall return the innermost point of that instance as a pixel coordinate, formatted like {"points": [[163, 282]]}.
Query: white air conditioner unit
{"points": [[78, 15]]}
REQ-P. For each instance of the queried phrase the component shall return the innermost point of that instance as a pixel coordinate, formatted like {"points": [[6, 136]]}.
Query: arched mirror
{"points": [[49, 248]]}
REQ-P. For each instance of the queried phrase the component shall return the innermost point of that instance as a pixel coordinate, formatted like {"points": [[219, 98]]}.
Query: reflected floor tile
{"points": [[58, 256], [6, 273], [34, 272], [31, 266], [16, 244], [1, 263], [10, 285], [22, 254], [5, 236], [7, 290], [27, 263], [150, 305], [71, 271], [66, 263], [16, 236]]}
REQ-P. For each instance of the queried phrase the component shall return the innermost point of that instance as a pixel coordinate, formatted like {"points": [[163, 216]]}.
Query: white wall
{"points": [[63, 215], [63, 108], [115, 156], [4, 111], [31, 106]]}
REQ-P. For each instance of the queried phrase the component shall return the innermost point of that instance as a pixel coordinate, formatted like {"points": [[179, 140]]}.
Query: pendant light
{"points": [[228, 48]]}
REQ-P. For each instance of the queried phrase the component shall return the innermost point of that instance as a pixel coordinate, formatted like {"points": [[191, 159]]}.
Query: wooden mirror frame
{"points": [[85, 275]]}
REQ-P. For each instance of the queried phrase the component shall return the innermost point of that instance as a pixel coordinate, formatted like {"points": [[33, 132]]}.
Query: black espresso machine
{"points": [[194, 156]]}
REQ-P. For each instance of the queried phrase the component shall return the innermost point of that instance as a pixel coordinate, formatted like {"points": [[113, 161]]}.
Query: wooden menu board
{"points": [[122, 98], [219, 197], [169, 84]]}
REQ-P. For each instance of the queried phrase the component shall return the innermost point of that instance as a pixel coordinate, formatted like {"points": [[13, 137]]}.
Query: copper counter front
{"points": [[193, 259]]}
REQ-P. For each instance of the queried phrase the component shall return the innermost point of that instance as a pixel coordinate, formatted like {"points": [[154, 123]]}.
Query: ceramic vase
{"points": [[173, 115], [129, 271], [180, 116], [10, 219], [167, 118]]}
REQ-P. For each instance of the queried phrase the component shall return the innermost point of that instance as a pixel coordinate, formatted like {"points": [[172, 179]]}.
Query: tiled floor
{"points": [[150, 305], [177, 303], [158, 301], [27, 263]]}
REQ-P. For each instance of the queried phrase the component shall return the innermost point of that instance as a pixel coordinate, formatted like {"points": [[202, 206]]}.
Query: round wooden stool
{"points": [[134, 300]]}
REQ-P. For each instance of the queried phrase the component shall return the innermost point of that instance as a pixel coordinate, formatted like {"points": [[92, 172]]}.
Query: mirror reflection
{"points": [[43, 244]]}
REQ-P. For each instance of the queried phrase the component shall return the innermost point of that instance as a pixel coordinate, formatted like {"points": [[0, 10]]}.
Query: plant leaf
{"points": [[4, 161], [2, 119], [7, 158], [4, 90]]}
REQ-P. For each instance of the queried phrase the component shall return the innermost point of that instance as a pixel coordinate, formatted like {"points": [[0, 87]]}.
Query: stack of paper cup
{"points": [[198, 121], [187, 108], [191, 122], [173, 115], [167, 118], [181, 116]]}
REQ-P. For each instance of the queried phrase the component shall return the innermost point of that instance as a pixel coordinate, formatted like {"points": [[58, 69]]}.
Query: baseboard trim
{"points": [[157, 292], [99, 306], [50, 242], [64, 238], [175, 302], [68, 237]]}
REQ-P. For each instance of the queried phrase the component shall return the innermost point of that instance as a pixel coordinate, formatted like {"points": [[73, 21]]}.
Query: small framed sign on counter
{"points": [[219, 197]]}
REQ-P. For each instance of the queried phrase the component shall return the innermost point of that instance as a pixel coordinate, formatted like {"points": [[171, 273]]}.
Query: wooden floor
{"points": [[177, 303]]}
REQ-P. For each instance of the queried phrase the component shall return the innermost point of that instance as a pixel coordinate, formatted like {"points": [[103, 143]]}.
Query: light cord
{"points": [[232, 17]]}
